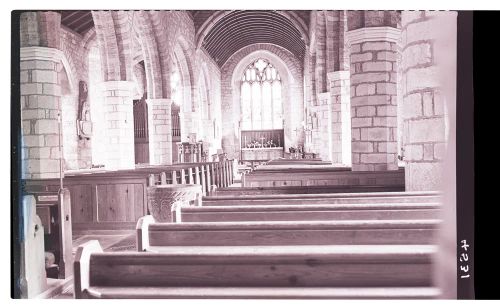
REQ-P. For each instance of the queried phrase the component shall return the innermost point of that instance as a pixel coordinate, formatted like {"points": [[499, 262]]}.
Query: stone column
{"points": [[321, 133], [423, 104], [119, 122], [429, 54], [341, 117], [374, 98], [160, 131], [40, 110]]}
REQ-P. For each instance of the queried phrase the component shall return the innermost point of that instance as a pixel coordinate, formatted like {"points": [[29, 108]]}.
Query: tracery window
{"points": [[176, 85], [261, 104]]}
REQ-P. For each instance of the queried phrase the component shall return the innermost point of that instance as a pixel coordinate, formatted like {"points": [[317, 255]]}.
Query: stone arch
{"points": [[290, 71], [142, 25], [206, 111], [113, 31], [186, 72]]}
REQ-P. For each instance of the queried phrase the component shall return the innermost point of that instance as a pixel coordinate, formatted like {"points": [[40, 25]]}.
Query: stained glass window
{"points": [[261, 103]]}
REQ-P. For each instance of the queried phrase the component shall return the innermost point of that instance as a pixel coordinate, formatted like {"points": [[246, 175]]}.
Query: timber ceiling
{"points": [[78, 21], [238, 29]]}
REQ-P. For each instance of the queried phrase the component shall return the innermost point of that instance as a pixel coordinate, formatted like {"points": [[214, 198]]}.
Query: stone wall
{"points": [[374, 98], [77, 152], [423, 103]]}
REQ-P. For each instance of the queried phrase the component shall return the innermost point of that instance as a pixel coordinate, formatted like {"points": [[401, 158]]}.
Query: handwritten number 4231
{"points": [[463, 259]]}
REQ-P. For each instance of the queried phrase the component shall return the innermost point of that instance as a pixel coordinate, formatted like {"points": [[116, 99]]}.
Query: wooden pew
{"points": [[158, 237], [54, 209], [316, 189], [32, 278], [336, 198], [107, 200], [320, 175], [261, 271], [350, 211]]}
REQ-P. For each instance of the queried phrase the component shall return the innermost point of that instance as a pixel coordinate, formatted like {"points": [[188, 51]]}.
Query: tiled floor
{"points": [[121, 241]]}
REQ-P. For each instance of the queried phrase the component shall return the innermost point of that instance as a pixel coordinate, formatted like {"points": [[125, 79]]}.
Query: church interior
{"points": [[237, 154]]}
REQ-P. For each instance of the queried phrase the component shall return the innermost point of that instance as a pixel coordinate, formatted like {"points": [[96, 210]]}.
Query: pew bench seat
{"points": [[225, 267], [357, 293], [160, 237]]}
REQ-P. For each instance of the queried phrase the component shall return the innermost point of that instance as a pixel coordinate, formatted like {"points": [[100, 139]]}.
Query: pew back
{"points": [[124, 274], [326, 198], [359, 211], [162, 236]]}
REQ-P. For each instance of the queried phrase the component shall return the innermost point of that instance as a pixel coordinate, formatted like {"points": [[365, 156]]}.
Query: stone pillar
{"points": [[423, 104], [374, 98], [160, 131], [341, 117], [40, 110], [119, 122], [429, 54], [321, 127]]}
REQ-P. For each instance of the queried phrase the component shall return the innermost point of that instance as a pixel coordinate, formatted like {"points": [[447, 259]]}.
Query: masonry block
{"points": [[44, 126], [426, 130], [365, 111], [31, 89], [44, 76], [375, 134], [422, 78], [387, 147], [361, 122], [365, 89], [416, 55], [370, 100], [362, 57], [361, 147], [377, 66], [376, 46], [385, 121], [386, 88], [373, 158], [414, 152], [387, 110], [370, 77]]}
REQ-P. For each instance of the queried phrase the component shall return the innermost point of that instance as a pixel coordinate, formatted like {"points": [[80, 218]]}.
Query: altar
{"points": [[262, 144], [266, 153]]}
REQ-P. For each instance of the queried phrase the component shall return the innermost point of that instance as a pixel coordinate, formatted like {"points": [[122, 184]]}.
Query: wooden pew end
{"points": [[82, 267], [142, 230]]}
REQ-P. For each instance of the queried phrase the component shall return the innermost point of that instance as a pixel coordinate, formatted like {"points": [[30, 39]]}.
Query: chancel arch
{"points": [[290, 74]]}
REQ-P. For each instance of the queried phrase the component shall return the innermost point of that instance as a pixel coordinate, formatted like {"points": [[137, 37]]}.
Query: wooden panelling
{"points": [[119, 202], [81, 202]]}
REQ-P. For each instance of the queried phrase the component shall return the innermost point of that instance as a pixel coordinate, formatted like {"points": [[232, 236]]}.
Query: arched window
{"points": [[176, 85], [177, 90], [204, 100], [261, 104]]}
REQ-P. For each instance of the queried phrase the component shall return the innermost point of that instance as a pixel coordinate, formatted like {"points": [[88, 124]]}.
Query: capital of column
{"points": [[120, 85], [324, 96], [42, 53], [338, 75], [384, 33], [159, 102]]}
